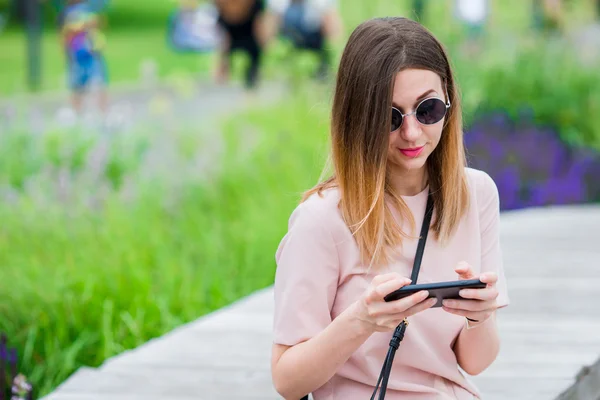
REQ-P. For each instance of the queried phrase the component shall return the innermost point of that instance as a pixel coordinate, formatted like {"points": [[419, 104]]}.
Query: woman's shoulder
{"points": [[482, 187], [318, 211]]}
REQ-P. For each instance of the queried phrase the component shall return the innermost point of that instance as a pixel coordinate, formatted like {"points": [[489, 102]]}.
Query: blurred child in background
{"points": [[83, 44], [242, 26]]}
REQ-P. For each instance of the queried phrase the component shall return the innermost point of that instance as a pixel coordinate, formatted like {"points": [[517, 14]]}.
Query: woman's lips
{"points": [[412, 153]]}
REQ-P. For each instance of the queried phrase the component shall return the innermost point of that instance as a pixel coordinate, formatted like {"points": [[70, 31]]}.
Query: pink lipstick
{"points": [[412, 153]]}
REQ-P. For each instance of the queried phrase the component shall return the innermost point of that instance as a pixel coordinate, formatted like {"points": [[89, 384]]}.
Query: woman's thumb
{"points": [[463, 269]]}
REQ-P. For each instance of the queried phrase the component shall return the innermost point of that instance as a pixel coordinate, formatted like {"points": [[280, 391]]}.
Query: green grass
{"points": [[79, 285]]}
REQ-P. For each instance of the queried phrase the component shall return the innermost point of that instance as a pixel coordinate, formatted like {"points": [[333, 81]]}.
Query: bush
{"points": [[531, 165], [13, 385], [98, 265], [544, 82]]}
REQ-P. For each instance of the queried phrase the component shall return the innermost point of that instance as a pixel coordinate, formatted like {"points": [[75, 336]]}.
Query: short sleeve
{"points": [[489, 219], [306, 278]]}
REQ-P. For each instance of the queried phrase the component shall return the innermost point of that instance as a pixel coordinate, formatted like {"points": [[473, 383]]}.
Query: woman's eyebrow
{"points": [[427, 93], [421, 97]]}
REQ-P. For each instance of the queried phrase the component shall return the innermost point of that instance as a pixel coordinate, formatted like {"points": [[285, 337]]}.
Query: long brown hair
{"points": [[360, 123]]}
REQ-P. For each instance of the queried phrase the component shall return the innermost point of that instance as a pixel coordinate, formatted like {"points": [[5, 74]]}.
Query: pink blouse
{"points": [[319, 275]]}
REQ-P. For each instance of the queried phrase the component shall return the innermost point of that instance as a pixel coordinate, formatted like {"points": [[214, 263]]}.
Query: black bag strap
{"points": [[422, 239], [400, 329]]}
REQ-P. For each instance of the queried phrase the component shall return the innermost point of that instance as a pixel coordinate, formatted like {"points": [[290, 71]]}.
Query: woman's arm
{"points": [[221, 74], [477, 348], [301, 369], [266, 27]]}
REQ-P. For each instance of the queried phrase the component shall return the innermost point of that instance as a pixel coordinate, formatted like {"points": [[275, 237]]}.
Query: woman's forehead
{"points": [[411, 85]]}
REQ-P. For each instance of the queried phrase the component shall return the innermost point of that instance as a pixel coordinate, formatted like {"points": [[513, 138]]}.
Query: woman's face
{"points": [[412, 143]]}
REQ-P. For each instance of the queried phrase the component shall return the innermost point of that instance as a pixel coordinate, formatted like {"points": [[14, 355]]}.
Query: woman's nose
{"points": [[411, 128]]}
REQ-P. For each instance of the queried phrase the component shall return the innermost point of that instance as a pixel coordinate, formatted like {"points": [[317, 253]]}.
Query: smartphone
{"points": [[439, 290]]}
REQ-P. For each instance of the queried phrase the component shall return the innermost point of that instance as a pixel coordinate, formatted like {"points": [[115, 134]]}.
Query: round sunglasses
{"points": [[429, 111]]}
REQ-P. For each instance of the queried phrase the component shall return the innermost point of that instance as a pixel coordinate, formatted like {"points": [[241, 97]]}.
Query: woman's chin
{"points": [[410, 164]]}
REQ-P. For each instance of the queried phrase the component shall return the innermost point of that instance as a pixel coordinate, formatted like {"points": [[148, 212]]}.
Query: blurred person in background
{"points": [[83, 44], [242, 25], [193, 27], [548, 15], [473, 14], [309, 25]]}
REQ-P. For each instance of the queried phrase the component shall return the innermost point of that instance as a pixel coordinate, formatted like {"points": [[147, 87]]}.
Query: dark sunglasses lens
{"points": [[396, 120], [431, 111]]}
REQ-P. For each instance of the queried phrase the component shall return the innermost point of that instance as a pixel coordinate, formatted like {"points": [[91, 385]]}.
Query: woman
{"points": [[241, 22], [396, 136]]}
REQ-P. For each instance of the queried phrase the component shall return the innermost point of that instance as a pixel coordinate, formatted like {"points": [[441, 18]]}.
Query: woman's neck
{"points": [[409, 183]]}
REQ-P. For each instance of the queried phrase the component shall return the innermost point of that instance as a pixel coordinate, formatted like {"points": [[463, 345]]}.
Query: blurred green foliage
{"points": [[99, 258], [95, 263]]}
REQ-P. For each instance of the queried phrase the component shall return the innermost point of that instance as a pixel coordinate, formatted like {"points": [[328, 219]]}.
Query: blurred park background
{"points": [[117, 227]]}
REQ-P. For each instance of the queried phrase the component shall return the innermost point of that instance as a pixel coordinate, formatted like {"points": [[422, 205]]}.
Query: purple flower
{"points": [[558, 191], [3, 348], [531, 165], [508, 182]]}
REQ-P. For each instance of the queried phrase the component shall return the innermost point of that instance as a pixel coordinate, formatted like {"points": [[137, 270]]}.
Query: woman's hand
{"points": [[479, 304], [376, 315]]}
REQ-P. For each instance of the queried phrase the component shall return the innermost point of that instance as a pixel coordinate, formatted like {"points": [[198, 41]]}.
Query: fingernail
{"points": [[464, 293]]}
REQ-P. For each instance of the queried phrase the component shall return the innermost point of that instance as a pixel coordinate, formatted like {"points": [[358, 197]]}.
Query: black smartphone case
{"points": [[439, 290]]}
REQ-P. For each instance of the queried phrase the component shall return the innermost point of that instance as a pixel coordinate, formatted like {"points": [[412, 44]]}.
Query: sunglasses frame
{"points": [[446, 103]]}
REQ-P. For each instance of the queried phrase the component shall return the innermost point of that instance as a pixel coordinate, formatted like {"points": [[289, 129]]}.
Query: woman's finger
{"points": [[379, 279], [479, 294], [489, 278], [469, 305], [395, 319], [398, 306], [464, 270], [385, 288], [378, 292], [422, 306]]}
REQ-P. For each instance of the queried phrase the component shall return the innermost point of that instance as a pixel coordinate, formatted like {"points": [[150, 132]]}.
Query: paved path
{"points": [[137, 107], [549, 332]]}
